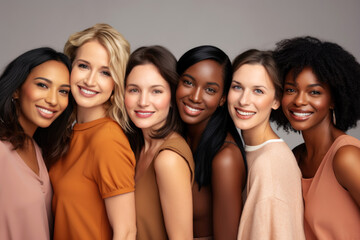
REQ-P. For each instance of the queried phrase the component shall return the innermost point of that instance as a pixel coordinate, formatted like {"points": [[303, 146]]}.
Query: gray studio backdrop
{"points": [[232, 25]]}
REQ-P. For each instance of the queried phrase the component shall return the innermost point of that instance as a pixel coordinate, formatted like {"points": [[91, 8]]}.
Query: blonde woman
{"points": [[94, 183]]}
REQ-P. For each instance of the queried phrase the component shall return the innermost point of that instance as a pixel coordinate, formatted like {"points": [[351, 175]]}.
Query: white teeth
{"points": [[192, 109], [87, 91], [245, 113], [301, 114], [144, 113], [45, 110]]}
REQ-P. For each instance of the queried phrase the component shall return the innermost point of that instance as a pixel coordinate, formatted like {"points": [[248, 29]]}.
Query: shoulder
{"points": [[176, 143], [346, 161], [227, 158], [109, 132]]}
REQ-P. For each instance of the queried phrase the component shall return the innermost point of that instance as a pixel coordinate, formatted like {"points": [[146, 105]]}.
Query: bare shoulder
{"points": [[168, 160], [228, 159], [346, 161]]}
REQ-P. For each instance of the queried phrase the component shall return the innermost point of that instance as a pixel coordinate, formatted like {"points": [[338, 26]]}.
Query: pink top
{"points": [[274, 207], [330, 212], [25, 198]]}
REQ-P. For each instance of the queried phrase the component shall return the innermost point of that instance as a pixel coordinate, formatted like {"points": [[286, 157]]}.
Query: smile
{"points": [[241, 114], [192, 111], [144, 114], [245, 113], [87, 92], [46, 113], [300, 115]]}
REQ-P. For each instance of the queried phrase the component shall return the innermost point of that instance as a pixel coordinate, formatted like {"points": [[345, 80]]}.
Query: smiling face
{"points": [[43, 96], [251, 97], [306, 101], [200, 92], [147, 97], [91, 81]]}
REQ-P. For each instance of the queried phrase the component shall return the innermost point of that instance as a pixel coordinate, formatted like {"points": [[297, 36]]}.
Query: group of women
{"points": [[98, 143]]}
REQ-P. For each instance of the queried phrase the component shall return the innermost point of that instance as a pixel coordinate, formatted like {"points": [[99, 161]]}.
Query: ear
{"points": [[222, 101], [16, 94], [276, 104]]}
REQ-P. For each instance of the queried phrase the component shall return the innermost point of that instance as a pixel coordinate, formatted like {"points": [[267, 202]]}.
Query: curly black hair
{"points": [[332, 65]]}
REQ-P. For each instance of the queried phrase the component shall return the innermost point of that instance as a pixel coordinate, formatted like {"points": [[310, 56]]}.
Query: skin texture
{"points": [[217, 208], [42, 98], [147, 102], [307, 95], [91, 73], [250, 101], [91, 81], [146, 86]]}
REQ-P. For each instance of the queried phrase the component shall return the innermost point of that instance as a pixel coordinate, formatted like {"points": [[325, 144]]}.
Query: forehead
{"points": [[305, 76], [207, 71], [93, 50], [253, 75], [146, 75]]}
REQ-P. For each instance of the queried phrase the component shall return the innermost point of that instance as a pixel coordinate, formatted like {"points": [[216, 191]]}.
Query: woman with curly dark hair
{"points": [[321, 98]]}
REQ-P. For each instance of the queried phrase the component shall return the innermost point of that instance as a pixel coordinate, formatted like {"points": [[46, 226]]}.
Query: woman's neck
{"points": [[258, 134], [319, 139], [87, 115]]}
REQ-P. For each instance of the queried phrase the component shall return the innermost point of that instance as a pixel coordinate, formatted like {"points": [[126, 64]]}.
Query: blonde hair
{"points": [[119, 50]]}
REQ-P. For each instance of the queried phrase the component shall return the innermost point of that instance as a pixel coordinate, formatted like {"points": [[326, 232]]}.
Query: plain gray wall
{"points": [[231, 25]]}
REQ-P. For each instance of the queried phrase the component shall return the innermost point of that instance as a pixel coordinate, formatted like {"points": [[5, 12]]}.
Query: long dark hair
{"points": [[220, 123], [165, 62], [54, 139]]}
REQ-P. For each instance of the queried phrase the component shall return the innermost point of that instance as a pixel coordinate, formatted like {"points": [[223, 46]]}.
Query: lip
{"points": [[191, 110], [143, 114], [86, 92], [46, 112], [244, 114], [300, 115]]}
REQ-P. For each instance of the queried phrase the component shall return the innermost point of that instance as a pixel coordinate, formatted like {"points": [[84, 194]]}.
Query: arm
{"points": [[346, 166], [228, 181], [121, 213], [173, 177]]}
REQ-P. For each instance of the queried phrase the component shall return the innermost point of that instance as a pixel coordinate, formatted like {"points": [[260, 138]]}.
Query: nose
{"points": [[195, 95], [244, 98], [90, 79], [143, 100], [300, 99], [51, 97]]}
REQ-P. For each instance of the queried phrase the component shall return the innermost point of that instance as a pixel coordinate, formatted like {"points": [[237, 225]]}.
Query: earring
{"points": [[333, 116]]}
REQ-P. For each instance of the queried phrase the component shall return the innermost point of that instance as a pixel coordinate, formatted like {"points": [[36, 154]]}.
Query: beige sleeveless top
{"points": [[149, 216], [330, 212]]}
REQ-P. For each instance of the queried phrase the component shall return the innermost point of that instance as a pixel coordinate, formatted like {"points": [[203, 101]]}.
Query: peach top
{"points": [[330, 212], [25, 197], [274, 207]]}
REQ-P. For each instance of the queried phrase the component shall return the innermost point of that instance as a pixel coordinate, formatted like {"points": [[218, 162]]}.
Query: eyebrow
{"points": [[79, 59], [210, 83], [309, 86], [152, 86], [257, 86], [50, 82]]}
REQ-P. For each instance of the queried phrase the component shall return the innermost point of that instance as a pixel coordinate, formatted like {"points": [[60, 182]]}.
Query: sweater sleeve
{"points": [[270, 219]]}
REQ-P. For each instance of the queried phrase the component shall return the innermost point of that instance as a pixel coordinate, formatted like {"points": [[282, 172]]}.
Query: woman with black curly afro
{"points": [[321, 99]]}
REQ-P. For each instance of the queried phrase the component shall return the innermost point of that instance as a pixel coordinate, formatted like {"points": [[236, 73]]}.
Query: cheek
{"points": [[181, 92], [63, 102], [232, 98], [286, 100], [129, 101], [164, 103]]}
